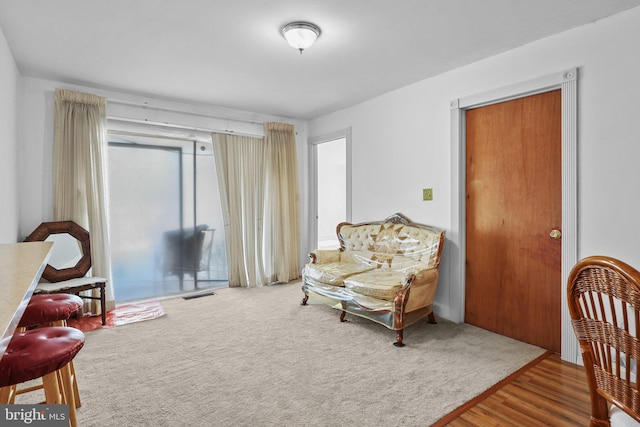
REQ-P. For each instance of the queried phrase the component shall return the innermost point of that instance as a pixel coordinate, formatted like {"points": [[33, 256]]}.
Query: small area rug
{"points": [[122, 315]]}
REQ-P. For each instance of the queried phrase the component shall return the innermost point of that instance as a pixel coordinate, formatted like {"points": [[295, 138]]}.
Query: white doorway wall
{"points": [[330, 187]]}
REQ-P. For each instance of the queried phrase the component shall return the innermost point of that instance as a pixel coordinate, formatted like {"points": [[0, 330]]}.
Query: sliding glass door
{"points": [[167, 233]]}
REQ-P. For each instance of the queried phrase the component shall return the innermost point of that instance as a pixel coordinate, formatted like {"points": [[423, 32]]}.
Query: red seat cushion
{"points": [[35, 353], [46, 308]]}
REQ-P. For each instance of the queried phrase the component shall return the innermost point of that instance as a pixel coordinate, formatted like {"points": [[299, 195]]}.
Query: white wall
{"points": [[9, 86], [401, 140]]}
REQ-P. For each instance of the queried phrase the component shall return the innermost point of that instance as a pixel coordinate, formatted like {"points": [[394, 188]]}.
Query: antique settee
{"points": [[385, 271]]}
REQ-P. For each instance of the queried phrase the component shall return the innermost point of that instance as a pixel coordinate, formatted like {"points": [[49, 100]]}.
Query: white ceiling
{"points": [[231, 53]]}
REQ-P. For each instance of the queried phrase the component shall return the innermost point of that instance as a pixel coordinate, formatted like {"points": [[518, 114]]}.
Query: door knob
{"points": [[555, 234]]}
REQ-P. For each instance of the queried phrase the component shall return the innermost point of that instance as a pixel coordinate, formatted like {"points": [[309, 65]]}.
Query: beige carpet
{"points": [[255, 357]]}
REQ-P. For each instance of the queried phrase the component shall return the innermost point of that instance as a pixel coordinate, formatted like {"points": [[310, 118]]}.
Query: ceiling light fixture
{"points": [[301, 35]]}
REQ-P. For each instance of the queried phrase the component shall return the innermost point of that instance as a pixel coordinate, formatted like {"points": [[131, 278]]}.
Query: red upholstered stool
{"points": [[41, 353], [52, 310]]}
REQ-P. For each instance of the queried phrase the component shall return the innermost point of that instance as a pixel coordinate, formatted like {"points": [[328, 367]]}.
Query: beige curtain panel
{"points": [[240, 170], [79, 170], [283, 212], [258, 183]]}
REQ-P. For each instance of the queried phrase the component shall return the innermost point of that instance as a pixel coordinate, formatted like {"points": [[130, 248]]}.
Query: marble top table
{"points": [[21, 265]]}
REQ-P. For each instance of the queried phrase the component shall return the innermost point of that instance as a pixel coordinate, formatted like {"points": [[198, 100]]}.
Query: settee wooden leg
{"points": [[398, 342], [304, 300], [342, 319], [432, 319]]}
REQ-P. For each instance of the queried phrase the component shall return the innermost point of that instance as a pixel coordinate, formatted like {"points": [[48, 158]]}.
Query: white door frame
{"points": [[313, 180], [566, 81]]}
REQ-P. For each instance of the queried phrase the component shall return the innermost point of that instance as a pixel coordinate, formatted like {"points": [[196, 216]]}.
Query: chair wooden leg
{"points": [[342, 315], [599, 411], [398, 342], [69, 395], [76, 392], [103, 304], [432, 318], [59, 388], [6, 395], [14, 393], [52, 388], [304, 300]]}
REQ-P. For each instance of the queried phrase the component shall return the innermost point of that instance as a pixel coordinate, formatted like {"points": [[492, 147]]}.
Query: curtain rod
{"points": [[181, 127], [177, 110], [126, 133]]}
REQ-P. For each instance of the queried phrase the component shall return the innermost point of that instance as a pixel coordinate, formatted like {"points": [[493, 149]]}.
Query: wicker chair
{"points": [[604, 303]]}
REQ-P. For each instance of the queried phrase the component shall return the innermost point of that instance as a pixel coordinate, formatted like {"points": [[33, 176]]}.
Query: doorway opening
{"points": [[330, 187]]}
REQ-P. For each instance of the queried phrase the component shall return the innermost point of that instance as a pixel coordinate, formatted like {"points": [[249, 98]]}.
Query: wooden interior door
{"points": [[513, 205]]}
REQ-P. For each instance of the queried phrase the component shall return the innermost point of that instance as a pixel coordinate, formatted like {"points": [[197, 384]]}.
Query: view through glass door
{"points": [[167, 232]]}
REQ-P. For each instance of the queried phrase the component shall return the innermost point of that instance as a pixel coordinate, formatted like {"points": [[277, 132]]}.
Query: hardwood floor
{"points": [[547, 392]]}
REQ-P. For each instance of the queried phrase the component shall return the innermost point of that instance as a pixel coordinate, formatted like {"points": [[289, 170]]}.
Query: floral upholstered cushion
{"points": [[334, 273], [381, 283]]}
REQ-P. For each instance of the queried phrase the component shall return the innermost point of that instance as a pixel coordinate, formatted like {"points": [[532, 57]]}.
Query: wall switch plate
{"points": [[427, 194]]}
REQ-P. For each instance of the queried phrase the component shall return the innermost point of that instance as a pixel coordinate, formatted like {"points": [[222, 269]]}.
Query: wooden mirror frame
{"points": [[83, 265]]}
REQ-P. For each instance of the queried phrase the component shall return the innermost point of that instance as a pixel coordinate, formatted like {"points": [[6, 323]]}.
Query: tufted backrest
{"points": [[394, 243]]}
